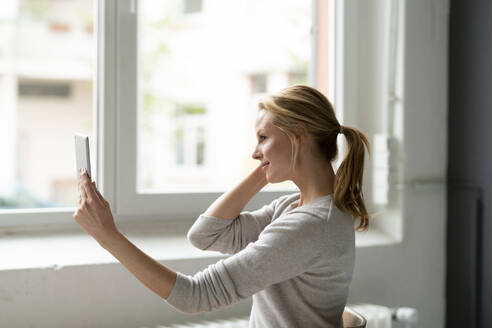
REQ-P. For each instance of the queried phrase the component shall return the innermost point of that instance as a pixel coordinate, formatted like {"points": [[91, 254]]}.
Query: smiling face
{"points": [[274, 148]]}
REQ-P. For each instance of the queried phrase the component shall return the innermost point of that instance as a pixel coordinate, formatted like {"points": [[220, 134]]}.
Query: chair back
{"points": [[352, 319]]}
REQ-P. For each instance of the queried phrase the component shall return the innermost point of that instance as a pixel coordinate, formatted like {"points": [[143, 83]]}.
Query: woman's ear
{"points": [[301, 133]]}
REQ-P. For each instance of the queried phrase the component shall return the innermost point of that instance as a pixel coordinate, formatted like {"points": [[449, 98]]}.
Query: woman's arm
{"points": [[287, 248], [94, 215], [224, 227], [151, 273], [230, 204]]}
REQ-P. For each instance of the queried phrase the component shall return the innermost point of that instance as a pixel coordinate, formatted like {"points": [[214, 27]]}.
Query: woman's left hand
{"points": [[94, 212]]}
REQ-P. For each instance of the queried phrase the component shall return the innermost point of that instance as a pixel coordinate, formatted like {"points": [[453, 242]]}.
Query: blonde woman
{"points": [[295, 256]]}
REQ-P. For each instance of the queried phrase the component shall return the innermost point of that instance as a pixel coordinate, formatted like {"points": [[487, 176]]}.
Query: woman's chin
{"points": [[274, 179]]}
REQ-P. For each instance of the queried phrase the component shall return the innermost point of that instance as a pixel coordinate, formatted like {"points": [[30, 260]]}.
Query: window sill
{"points": [[56, 250], [374, 237]]}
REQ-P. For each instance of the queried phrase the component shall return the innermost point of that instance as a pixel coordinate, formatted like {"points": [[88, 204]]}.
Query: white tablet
{"points": [[82, 154]]}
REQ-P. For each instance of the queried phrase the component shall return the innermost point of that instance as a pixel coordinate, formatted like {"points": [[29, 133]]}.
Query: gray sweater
{"points": [[296, 262]]}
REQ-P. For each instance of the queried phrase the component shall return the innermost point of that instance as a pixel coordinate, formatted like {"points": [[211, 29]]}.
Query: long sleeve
{"points": [[231, 236], [286, 248]]}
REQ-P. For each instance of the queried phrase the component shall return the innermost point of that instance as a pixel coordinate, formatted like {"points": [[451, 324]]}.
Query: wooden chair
{"points": [[352, 319]]}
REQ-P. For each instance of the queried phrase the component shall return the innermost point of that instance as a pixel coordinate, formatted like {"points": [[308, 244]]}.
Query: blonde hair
{"points": [[304, 106]]}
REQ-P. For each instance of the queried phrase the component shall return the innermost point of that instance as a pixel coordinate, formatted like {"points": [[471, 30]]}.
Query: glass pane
{"points": [[47, 60], [203, 67]]}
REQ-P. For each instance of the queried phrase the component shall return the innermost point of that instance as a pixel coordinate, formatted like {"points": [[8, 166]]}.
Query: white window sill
{"points": [[55, 250]]}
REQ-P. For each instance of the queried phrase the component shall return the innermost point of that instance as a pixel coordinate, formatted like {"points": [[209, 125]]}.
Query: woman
{"points": [[295, 256]]}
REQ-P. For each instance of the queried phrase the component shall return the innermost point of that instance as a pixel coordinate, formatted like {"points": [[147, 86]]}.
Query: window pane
{"points": [[203, 66], [47, 60]]}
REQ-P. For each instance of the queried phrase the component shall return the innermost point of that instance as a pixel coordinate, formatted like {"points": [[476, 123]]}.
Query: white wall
{"points": [[93, 296], [408, 274], [413, 273]]}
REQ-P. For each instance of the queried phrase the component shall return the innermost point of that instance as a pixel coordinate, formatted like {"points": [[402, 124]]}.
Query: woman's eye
{"points": [[262, 137]]}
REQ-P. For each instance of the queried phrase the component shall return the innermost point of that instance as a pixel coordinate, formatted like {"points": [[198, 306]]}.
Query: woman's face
{"points": [[273, 149]]}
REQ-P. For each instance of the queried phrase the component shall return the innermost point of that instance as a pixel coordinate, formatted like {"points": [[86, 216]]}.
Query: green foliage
{"points": [[189, 109], [162, 23], [153, 103], [85, 16], [22, 200], [37, 9], [162, 49]]}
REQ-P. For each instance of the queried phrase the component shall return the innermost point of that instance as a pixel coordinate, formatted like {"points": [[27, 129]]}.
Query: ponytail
{"points": [[348, 195]]}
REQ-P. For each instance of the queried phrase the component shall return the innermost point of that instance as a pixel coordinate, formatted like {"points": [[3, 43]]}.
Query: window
{"points": [[43, 89], [177, 97], [298, 77], [192, 6], [369, 93], [176, 94], [193, 135], [47, 64], [259, 83]]}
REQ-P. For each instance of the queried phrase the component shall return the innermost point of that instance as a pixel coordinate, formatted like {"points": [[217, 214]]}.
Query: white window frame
{"points": [[46, 218], [130, 205], [115, 132], [116, 128]]}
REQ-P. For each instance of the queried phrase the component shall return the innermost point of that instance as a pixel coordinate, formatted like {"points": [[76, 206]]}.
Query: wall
{"points": [[93, 296], [412, 273], [407, 274], [470, 160]]}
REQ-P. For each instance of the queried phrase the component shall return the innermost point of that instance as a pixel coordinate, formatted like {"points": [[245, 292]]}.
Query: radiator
{"points": [[226, 323], [377, 316]]}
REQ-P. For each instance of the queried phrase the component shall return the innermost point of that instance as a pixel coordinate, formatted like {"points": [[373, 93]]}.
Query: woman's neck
{"points": [[315, 182]]}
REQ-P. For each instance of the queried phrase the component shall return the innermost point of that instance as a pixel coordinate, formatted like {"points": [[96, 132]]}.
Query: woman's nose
{"points": [[256, 154]]}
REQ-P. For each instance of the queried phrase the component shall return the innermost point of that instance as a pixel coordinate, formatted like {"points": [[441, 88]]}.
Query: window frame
{"points": [[115, 101], [114, 98], [46, 218], [115, 129], [128, 204]]}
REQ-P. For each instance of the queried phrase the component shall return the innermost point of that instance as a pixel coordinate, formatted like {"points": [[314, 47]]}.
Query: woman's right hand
{"points": [[259, 173]]}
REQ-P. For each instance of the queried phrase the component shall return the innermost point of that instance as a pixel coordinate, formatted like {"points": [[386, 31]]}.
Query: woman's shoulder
{"points": [[323, 210], [285, 203], [288, 198], [320, 208]]}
